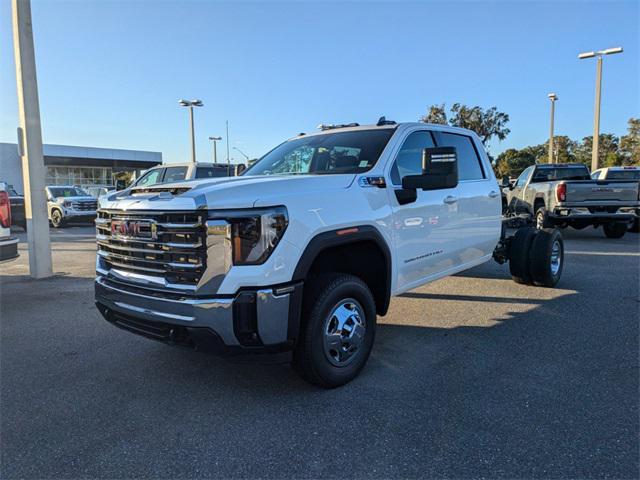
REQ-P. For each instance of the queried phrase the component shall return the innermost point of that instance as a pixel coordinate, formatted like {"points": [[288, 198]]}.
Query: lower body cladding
{"points": [[260, 321]]}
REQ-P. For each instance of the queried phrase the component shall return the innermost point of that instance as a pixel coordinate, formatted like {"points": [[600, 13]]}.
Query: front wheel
{"points": [[56, 219], [615, 230], [540, 218], [338, 330], [635, 226]]}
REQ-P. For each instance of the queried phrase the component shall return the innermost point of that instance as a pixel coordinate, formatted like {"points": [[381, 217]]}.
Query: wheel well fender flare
{"points": [[341, 237]]}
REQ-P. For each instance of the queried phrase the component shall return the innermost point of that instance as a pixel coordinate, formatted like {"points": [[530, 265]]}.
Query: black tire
{"points": [[546, 258], [57, 220], [615, 230], [519, 255], [312, 358], [635, 226]]}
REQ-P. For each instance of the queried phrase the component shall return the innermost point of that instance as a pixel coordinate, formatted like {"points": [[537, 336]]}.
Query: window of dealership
{"points": [[62, 175], [82, 166]]}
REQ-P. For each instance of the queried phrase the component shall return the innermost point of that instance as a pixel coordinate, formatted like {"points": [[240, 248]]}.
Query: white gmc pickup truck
{"points": [[303, 251]]}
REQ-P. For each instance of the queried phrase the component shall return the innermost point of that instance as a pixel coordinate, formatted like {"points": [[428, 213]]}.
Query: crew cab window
{"points": [[469, 165], [150, 178], [174, 174], [623, 175], [551, 174], [205, 172], [409, 158], [524, 176]]}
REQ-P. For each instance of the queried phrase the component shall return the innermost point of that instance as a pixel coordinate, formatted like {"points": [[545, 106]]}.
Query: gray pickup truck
{"points": [[565, 195], [69, 204]]}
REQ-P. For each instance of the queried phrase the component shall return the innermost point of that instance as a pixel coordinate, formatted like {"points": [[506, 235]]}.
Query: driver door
{"points": [[425, 231], [516, 196]]}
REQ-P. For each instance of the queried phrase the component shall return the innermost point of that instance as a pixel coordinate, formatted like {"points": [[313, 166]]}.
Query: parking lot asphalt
{"points": [[471, 376]]}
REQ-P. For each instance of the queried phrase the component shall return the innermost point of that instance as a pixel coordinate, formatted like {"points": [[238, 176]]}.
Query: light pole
{"points": [[596, 113], [191, 104], [215, 151], [553, 97], [228, 160], [242, 153], [30, 142]]}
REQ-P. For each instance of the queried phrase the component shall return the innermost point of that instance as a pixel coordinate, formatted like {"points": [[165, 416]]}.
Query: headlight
{"points": [[66, 203], [254, 232]]}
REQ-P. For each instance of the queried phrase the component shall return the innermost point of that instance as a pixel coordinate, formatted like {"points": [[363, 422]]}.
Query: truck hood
{"points": [[81, 198], [225, 192]]}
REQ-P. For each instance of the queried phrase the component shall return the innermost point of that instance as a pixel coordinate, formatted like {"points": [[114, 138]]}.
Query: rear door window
{"points": [[469, 165], [205, 172], [174, 174]]}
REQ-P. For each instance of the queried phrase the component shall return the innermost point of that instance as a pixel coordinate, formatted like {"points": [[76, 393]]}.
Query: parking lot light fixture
{"points": [[241, 153], [553, 97], [191, 104], [596, 114], [215, 151]]}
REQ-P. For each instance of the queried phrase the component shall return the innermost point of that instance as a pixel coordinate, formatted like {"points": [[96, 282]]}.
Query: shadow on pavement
{"points": [[551, 392]]}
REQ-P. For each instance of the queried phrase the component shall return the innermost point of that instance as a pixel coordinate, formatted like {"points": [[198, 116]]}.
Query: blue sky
{"points": [[111, 73]]}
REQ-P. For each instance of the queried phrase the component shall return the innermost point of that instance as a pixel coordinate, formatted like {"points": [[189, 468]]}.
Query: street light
{"points": [[191, 104], [596, 113], [553, 97], [242, 153], [215, 151]]}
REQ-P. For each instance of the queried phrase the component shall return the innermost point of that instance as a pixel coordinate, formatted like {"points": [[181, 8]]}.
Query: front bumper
{"points": [[252, 321], [79, 214], [8, 249]]}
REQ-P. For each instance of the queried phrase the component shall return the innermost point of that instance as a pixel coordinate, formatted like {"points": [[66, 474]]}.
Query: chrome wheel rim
{"points": [[343, 332], [556, 258], [540, 221]]}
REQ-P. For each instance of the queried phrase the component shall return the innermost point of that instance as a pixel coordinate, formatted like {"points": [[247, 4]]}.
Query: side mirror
{"points": [[439, 170], [505, 182]]}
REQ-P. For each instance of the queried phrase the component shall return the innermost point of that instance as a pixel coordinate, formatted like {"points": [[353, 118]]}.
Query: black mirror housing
{"points": [[439, 170]]}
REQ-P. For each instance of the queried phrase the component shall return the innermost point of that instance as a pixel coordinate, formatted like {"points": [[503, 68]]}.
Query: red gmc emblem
{"points": [[133, 229]]}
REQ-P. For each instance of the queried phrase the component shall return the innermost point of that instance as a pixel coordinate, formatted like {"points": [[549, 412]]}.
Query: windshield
{"points": [[623, 175], [67, 192], [330, 153], [550, 174]]}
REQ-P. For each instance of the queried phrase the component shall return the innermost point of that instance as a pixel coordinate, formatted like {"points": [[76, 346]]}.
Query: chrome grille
{"points": [[85, 205], [171, 246]]}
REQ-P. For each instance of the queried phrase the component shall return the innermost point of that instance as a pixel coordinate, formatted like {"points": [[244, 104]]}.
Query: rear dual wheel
{"points": [[536, 257]]}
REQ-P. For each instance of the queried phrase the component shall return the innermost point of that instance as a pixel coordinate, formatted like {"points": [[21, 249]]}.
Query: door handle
{"points": [[493, 194], [449, 199]]}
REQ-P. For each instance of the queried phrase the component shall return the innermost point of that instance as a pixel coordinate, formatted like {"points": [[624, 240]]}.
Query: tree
{"points": [[608, 151], [436, 114], [486, 123], [630, 143], [564, 150], [512, 162]]}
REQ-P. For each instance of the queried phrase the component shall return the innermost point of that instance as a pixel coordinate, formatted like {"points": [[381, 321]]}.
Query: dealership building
{"points": [[84, 166]]}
